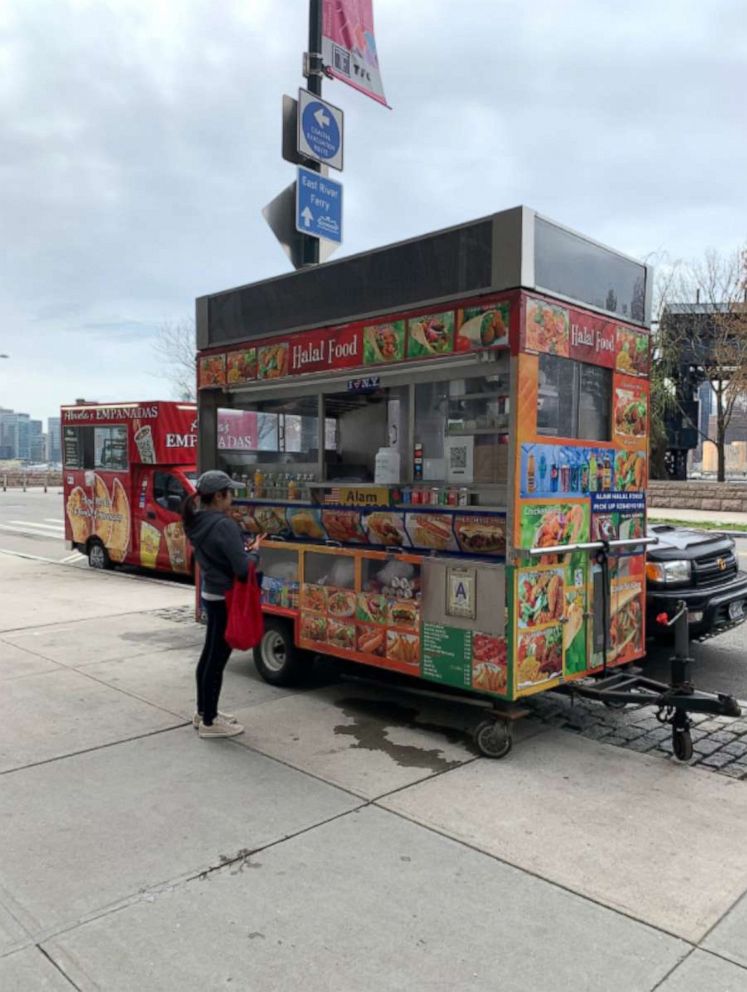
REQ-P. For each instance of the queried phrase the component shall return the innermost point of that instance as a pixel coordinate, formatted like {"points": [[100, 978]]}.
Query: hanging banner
{"points": [[349, 46]]}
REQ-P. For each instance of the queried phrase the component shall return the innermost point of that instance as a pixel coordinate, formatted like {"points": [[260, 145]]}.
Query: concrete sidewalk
{"points": [[350, 840]]}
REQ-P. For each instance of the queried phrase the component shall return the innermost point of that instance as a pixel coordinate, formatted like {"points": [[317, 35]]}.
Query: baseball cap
{"points": [[214, 481]]}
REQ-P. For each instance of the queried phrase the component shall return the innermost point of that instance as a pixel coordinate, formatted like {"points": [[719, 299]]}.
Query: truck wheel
{"points": [[277, 658], [98, 556]]}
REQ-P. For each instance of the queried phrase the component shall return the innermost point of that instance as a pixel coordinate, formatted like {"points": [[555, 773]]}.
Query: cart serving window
{"points": [[436, 465]]}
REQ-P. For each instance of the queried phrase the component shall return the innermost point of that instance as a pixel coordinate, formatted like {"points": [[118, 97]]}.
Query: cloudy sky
{"points": [[141, 138]]}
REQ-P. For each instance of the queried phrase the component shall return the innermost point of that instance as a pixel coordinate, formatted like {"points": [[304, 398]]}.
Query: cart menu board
{"points": [[465, 659], [447, 655]]}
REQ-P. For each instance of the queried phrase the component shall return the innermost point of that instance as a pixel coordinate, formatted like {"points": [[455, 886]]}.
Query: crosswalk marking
{"points": [[56, 528]]}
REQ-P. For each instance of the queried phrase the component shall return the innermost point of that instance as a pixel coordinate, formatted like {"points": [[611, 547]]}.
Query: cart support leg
{"points": [[681, 660]]}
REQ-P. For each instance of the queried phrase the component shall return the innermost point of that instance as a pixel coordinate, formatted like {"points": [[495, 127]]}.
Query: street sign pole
{"points": [[314, 72]]}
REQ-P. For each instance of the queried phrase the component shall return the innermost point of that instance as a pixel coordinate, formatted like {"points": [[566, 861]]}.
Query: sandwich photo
{"points": [[484, 537], [626, 621], [431, 530], [403, 613]]}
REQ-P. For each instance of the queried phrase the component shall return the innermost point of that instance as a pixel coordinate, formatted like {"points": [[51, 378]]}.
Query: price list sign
{"points": [[447, 655]]}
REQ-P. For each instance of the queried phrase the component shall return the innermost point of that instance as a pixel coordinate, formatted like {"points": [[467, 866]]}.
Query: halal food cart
{"points": [[451, 459]]}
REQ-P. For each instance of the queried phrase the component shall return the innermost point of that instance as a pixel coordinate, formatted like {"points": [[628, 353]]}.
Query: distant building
{"points": [[37, 442], [54, 443], [15, 435], [6, 442], [21, 438], [24, 437]]}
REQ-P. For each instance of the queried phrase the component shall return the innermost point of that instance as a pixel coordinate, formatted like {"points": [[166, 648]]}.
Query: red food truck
{"points": [[127, 467]]}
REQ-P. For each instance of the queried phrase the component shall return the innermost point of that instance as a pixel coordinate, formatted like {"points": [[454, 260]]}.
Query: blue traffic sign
{"points": [[320, 127], [318, 206]]}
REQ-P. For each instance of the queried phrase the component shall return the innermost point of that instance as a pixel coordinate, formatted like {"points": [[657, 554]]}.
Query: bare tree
{"points": [[175, 349], [704, 335], [662, 401]]}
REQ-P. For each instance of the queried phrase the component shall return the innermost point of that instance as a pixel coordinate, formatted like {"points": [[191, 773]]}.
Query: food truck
{"points": [[451, 463], [127, 467]]}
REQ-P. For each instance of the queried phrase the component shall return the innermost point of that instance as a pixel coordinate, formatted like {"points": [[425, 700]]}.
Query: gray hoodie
{"points": [[219, 550]]}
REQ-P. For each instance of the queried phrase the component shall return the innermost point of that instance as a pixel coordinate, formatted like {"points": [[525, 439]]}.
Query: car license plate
{"points": [[736, 610]]}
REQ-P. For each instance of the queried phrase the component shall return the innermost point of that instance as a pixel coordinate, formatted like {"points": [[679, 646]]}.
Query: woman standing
{"points": [[219, 551]]}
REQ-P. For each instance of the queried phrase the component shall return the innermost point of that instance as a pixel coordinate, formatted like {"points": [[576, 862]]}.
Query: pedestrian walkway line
{"points": [[54, 528]]}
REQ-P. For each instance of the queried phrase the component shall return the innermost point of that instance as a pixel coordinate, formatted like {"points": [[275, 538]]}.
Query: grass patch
{"points": [[697, 524]]}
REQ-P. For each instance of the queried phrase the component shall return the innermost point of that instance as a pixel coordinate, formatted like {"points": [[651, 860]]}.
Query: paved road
{"points": [[32, 524]]}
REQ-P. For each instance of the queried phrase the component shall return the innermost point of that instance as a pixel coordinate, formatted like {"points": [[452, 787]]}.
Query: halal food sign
{"points": [[318, 351]]}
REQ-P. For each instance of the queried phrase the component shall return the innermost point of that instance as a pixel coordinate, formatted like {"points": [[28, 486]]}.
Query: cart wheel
{"points": [[613, 704], [277, 658], [682, 744], [493, 738]]}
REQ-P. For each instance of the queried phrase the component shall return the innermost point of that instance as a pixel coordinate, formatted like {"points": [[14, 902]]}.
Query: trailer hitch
{"points": [[674, 702]]}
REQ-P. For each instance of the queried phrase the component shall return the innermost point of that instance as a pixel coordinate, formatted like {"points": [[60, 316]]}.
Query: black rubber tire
{"points": [[492, 738], [682, 744], [277, 658], [98, 556], [614, 704]]}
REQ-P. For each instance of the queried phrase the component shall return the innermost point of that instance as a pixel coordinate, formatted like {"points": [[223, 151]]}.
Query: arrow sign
{"points": [[320, 127], [280, 214], [318, 205], [321, 118]]}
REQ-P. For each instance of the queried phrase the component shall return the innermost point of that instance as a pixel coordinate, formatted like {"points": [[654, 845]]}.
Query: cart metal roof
{"points": [[513, 249]]}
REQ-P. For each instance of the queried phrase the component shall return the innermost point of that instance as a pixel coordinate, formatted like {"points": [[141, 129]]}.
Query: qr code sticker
{"points": [[459, 457], [341, 60]]}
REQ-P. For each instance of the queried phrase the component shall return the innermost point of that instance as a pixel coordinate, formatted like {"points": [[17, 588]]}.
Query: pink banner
{"points": [[349, 46]]}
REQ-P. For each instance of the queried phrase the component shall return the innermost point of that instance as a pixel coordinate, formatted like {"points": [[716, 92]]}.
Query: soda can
{"points": [[407, 495], [416, 497], [452, 497], [464, 497], [435, 496]]}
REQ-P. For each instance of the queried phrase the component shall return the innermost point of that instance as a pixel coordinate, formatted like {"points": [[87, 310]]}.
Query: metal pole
{"points": [[311, 245]]}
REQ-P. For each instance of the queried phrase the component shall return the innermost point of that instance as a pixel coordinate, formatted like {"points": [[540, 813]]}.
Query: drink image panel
{"points": [[145, 446], [150, 542]]}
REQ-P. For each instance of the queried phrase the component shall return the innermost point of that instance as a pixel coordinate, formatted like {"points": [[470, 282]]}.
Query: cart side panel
{"points": [[569, 490]]}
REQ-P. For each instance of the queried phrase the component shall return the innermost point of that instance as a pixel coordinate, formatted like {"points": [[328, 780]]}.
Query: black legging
{"points": [[215, 654]]}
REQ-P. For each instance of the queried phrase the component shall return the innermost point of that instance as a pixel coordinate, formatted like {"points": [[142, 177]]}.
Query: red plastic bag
{"points": [[245, 621]]}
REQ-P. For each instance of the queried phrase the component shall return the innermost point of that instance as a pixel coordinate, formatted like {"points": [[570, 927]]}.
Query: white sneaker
{"points": [[225, 717], [219, 728]]}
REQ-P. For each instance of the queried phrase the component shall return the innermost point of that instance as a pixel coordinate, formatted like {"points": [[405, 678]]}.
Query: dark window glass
{"points": [[393, 278], [110, 448], [168, 491], [594, 403], [555, 414], [574, 399], [160, 486], [567, 264]]}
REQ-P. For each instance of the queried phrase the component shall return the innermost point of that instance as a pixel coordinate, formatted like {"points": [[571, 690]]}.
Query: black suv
{"points": [[701, 568]]}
